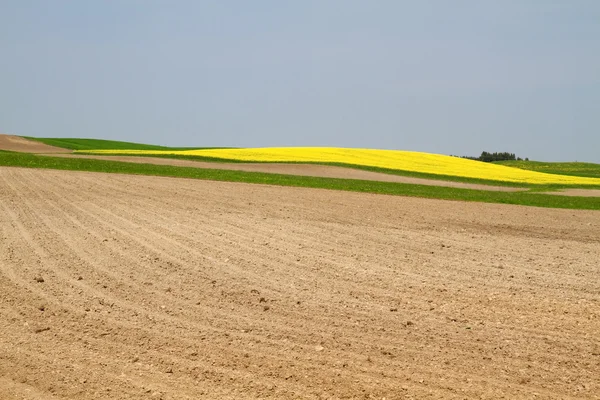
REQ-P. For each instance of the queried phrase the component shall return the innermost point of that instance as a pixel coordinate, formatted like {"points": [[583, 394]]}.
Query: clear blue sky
{"points": [[450, 77]]}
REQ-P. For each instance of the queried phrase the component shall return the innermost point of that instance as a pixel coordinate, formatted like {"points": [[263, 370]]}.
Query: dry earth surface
{"points": [[134, 287], [17, 143]]}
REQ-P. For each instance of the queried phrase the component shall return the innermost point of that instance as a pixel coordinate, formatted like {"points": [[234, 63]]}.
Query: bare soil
{"points": [[325, 171], [136, 287], [17, 143]]}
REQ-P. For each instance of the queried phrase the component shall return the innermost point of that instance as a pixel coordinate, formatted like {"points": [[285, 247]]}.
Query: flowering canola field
{"points": [[391, 159]]}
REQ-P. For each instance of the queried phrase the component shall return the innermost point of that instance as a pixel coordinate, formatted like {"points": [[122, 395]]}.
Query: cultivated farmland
{"points": [[120, 286], [116, 286], [426, 163]]}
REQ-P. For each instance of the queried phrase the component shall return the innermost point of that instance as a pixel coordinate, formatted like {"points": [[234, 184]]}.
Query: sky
{"points": [[450, 77]]}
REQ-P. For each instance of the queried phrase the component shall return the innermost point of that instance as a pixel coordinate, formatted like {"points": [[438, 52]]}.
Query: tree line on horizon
{"points": [[491, 157]]}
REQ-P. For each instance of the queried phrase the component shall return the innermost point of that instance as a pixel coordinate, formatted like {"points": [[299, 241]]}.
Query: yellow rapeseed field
{"points": [[390, 159]]}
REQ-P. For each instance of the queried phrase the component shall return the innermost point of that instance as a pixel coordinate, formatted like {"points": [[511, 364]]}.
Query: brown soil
{"points": [[325, 171], [17, 143], [135, 287]]}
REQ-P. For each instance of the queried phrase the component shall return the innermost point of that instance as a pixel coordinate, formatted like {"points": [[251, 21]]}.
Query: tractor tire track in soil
{"points": [[134, 287]]}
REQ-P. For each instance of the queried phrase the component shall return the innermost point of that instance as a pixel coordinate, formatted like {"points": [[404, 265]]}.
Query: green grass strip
{"points": [[588, 170], [101, 144], [402, 189]]}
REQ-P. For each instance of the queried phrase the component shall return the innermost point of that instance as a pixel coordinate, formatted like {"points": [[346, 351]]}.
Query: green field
{"points": [[99, 144], [531, 197], [588, 170], [527, 198], [412, 174]]}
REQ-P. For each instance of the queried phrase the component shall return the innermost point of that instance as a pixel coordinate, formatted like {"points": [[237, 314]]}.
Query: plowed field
{"points": [[135, 287]]}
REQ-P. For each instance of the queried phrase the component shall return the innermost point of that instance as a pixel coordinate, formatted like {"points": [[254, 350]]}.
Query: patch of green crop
{"points": [[588, 170], [100, 144], [389, 188]]}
